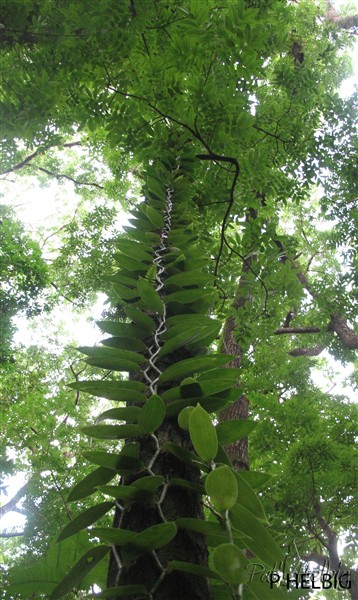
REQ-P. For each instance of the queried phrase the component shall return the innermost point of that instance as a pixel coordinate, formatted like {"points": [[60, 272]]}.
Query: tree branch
{"points": [[6, 534], [292, 330], [37, 152], [310, 351], [64, 176], [11, 505], [350, 22], [338, 324]]}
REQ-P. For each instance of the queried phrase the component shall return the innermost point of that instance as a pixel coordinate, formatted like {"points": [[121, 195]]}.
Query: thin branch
{"points": [[37, 152], [64, 176], [12, 534], [311, 351], [62, 295], [11, 505], [273, 135], [292, 330]]}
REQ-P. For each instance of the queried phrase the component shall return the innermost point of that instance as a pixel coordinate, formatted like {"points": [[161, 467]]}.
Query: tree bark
{"points": [[187, 546]]}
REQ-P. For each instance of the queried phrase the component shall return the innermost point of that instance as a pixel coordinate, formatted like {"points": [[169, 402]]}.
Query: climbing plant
{"points": [[165, 454]]}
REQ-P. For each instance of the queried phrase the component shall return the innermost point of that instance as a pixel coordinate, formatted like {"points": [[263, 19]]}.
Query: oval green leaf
{"points": [[221, 486], [84, 519], [184, 416], [229, 561], [152, 414], [156, 536], [150, 296], [73, 579], [203, 434], [89, 484]]}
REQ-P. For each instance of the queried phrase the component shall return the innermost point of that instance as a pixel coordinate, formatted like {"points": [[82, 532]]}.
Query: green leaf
{"points": [[147, 237], [188, 278], [86, 563], [194, 365], [184, 455], [111, 535], [42, 576], [122, 391], [156, 536], [124, 591], [102, 352], [231, 431], [152, 414], [186, 567], [221, 487], [128, 413], [84, 519], [111, 432], [126, 493], [119, 462], [188, 296], [140, 318], [120, 279], [154, 186], [184, 417], [155, 217], [113, 364], [212, 404], [187, 321], [130, 264], [248, 498], [88, 484], [134, 250], [201, 526], [262, 590], [124, 293], [127, 330], [203, 434], [193, 335], [229, 562], [176, 342], [149, 482], [255, 479], [188, 485], [150, 296], [125, 343], [261, 543], [218, 380], [190, 388]]}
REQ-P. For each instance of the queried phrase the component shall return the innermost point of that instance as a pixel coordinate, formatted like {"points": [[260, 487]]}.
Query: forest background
{"points": [[86, 104]]}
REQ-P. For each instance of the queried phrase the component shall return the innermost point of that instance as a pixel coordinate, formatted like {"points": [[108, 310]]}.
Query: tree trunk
{"points": [[171, 501]]}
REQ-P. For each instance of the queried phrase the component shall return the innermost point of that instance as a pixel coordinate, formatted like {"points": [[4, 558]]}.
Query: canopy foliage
{"points": [[241, 100]]}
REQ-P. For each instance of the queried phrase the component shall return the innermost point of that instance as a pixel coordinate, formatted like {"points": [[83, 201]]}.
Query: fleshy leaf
{"points": [[84, 519], [124, 591], [156, 536], [111, 432], [86, 563], [229, 562], [261, 543], [88, 484], [221, 486], [189, 366], [152, 414], [203, 434], [231, 431], [150, 296], [119, 462], [186, 567]]}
